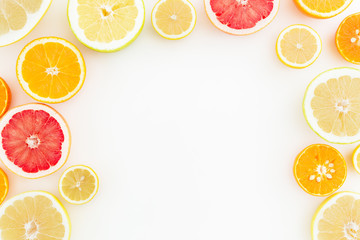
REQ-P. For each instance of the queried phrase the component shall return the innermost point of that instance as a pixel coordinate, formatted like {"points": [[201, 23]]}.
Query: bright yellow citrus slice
{"points": [[323, 8], [173, 19], [338, 218], [78, 184], [4, 185], [5, 97], [51, 70], [104, 25], [298, 46], [356, 159], [19, 17], [34, 215]]}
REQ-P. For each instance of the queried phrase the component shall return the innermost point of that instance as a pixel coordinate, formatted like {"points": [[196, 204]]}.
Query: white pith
{"points": [[323, 171], [65, 146], [115, 44], [260, 25], [323, 15], [174, 17]]}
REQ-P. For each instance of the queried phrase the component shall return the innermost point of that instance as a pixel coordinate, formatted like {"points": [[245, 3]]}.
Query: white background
{"points": [[191, 139]]}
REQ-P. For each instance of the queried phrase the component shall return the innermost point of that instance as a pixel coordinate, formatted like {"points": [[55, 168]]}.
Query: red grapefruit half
{"points": [[241, 17], [35, 140]]}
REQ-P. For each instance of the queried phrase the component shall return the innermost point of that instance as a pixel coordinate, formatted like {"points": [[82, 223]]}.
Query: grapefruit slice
{"points": [[241, 17], [35, 140]]}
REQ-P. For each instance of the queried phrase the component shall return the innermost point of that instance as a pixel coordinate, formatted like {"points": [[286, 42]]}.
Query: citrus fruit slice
{"points": [[4, 185], [173, 19], [35, 140], [320, 170], [50, 70], [348, 38], [19, 18], [241, 17], [5, 97], [356, 159], [322, 8], [78, 184], [332, 107], [337, 218], [34, 215], [298, 46], [106, 26]]}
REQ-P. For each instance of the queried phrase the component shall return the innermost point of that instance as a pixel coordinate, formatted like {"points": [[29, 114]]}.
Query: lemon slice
{"points": [[34, 215], [19, 17], [173, 19], [356, 159], [106, 26], [332, 105], [338, 218], [78, 184], [323, 8], [298, 46]]}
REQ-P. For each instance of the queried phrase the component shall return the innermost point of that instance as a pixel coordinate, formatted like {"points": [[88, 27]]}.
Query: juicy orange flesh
{"points": [[32, 218], [320, 170], [14, 13], [173, 17], [107, 20], [336, 106], [299, 45], [78, 184], [4, 97], [52, 70], [4, 187], [324, 6], [341, 220], [348, 38]]}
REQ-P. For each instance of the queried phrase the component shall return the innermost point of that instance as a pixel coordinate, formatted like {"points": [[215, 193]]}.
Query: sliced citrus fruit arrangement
{"points": [[34, 215], [106, 26], [5, 97], [331, 105], [50, 70], [35, 140], [4, 185], [348, 38], [19, 18], [173, 19], [78, 184], [298, 46], [241, 17], [356, 159], [320, 170], [338, 218], [323, 8]]}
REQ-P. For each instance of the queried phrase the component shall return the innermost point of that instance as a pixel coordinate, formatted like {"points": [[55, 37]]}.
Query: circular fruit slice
{"points": [[298, 46], [321, 8], [78, 184], [35, 140], [4, 185], [320, 170], [331, 105], [173, 19], [34, 215], [337, 218], [348, 38], [356, 159], [19, 18], [5, 97], [51, 70], [241, 17], [106, 26]]}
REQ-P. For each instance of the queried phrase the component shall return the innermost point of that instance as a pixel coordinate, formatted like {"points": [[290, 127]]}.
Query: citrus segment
{"points": [[173, 19], [323, 8], [320, 170], [35, 140], [348, 38], [4, 185], [5, 97], [34, 215], [78, 184], [106, 26], [241, 17], [298, 46], [51, 70]]}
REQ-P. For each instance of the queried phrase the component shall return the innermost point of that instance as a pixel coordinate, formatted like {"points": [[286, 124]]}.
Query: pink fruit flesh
{"points": [[32, 140], [241, 14]]}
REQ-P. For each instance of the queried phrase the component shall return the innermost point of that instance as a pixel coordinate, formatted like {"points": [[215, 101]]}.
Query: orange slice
{"points": [[4, 185], [5, 97], [320, 170], [323, 8], [51, 70], [348, 38]]}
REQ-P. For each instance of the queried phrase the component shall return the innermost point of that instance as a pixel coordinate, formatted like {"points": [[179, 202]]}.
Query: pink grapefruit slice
{"points": [[241, 17], [35, 140]]}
